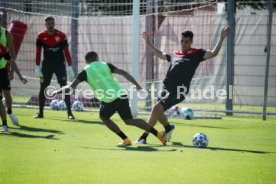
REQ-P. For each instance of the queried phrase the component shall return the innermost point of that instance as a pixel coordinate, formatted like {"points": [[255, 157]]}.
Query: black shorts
{"points": [[4, 80], [49, 70], [169, 98], [120, 105]]}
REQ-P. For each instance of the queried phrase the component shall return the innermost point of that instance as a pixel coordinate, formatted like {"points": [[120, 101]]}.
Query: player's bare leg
{"points": [[140, 123], [157, 114], [169, 128], [8, 98], [3, 116], [114, 128]]}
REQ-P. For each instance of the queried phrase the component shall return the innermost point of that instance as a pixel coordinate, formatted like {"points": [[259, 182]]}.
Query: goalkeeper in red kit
{"points": [[56, 51]]}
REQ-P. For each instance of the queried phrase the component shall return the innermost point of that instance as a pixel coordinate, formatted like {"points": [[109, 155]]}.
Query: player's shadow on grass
{"points": [[130, 148], [22, 135], [179, 144], [33, 129], [88, 122], [146, 149], [79, 121], [197, 125]]}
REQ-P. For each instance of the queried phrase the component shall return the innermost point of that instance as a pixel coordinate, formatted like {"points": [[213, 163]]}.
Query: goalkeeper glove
{"points": [[71, 72], [38, 72]]}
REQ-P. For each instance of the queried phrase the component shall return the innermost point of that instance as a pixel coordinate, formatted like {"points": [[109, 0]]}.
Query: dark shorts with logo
{"points": [[120, 105], [169, 98], [4, 80], [59, 70]]}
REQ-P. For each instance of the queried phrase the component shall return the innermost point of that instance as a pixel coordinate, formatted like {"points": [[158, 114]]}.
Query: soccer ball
{"points": [[61, 105], [54, 105], [187, 113], [4, 102], [77, 106], [168, 113], [174, 111], [200, 140]]}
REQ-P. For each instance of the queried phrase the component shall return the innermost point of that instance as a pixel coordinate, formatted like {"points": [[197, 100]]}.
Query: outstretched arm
{"points": [[67, 88], [224, 32], [128, 77], [155, 50]]}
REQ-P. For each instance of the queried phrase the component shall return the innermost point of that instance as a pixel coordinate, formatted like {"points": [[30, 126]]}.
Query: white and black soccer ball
{"points": [[200, 140], [77, 106], [187, 113], [4, 102], [168, 112], [176, 111], [61, 105], [54, 105]]}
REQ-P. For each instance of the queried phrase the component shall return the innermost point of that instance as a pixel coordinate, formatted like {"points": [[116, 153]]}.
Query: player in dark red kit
{"points": [[56, 51], [7, 42], [183, 65], [5, 82]]}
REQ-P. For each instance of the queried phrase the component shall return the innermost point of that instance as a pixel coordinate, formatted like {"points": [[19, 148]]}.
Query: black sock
{"points": [[144, 136], [40, 112], [67, 101], [9, 111], [122, 135], [42, 98], [41, 108], [69, 111], [167, 127], [4, 122], [153, 131]]}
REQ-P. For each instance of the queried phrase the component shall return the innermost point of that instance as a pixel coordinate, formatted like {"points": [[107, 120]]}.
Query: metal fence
{"points": [[106, 26]]}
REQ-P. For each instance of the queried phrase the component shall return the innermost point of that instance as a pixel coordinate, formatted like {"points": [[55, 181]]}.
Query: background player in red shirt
{"points": [[5, 83], [183, 65], [56, 51]]}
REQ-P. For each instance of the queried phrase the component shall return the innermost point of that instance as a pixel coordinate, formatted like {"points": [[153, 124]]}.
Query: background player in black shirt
{"points": [[56, 51], [183, 65]]}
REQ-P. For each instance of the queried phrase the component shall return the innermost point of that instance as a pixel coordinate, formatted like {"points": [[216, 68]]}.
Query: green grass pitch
{"points": [[56, 150]]}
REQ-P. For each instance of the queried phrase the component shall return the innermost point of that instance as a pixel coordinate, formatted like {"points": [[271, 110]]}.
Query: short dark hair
{"points": [[188, 33], [91, 56], [49, 18]]}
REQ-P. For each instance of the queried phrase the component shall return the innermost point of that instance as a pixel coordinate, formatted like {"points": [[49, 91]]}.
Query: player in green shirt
{"points": [[113, 97]]}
